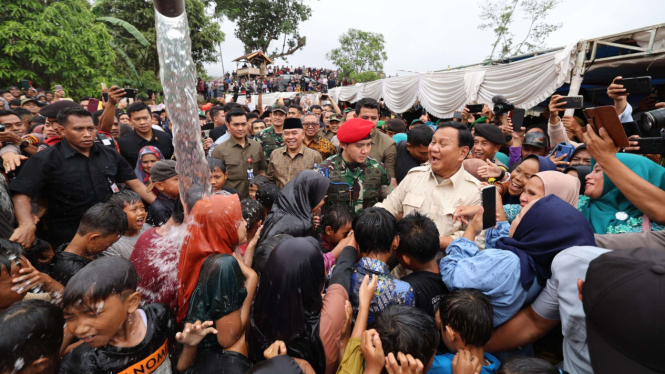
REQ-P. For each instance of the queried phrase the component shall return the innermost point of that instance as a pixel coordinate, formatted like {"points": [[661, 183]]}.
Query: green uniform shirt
{"points": [[356, 185], [269, 140]]}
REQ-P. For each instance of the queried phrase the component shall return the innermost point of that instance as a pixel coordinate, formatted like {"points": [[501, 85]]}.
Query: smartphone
{"points": [[518, 119], [325, 89], [58, 87], [631, 129], [488, 198], [25, 84], [607, 117], [208, 126], [130, 93], [564, 149], [572, 102], [105, 95], [637, 85], [150, 93], [93, 105], [475, 108], [651, 145], [104, 88]]}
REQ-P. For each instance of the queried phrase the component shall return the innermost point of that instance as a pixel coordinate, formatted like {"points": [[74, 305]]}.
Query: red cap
{"points": [[355, 130], [206, 107]]}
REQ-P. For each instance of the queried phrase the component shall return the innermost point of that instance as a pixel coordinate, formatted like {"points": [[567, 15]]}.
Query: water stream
{"points": [[178, 76]]}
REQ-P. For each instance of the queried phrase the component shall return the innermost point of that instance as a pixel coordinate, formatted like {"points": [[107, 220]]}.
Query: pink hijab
{"points": [[563, 186]]}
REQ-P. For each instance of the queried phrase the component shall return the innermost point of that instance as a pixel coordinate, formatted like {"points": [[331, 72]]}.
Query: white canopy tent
{"points": [[524, 80]]}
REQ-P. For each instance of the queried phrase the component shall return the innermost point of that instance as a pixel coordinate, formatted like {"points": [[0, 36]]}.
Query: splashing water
{"points": [[178, 76]]}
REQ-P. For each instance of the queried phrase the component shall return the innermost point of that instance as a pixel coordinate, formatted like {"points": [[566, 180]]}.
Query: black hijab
{"points": [[277, 365], [288, 303], [582, 172], [292, 212]]}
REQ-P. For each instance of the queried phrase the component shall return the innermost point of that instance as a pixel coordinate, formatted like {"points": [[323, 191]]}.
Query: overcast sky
{"points": [[435, 34]]}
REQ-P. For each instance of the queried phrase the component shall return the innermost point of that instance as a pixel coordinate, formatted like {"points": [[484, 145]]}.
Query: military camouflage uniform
{"points": [[358, 186], [269, 140]]}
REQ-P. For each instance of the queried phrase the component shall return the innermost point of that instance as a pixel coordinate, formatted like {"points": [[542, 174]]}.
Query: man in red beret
{"points": [[357, 180]]}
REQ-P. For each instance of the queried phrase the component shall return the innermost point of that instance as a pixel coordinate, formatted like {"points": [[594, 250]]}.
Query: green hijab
{"points": [[602, 213], [219, 291]]}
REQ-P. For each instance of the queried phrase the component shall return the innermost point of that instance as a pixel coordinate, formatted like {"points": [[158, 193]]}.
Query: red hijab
{"points": [[213, 231]]}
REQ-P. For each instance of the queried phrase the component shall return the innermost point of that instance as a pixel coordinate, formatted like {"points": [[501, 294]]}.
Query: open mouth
{"points": [[88, 339], [515, 187], [140, 221]]}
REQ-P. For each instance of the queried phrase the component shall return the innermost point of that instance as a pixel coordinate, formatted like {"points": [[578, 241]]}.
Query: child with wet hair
{"points": [[255, 183], [218, 176], [266, 195], [32, 334], [101, 309], [18, 277], [254, 214]]}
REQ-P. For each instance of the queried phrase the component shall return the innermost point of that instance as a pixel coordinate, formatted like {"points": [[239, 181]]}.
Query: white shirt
{"points": [[420, 192]]}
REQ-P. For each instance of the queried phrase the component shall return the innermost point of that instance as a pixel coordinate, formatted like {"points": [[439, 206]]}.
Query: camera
{"points": [[654, 120], [501, 105]]}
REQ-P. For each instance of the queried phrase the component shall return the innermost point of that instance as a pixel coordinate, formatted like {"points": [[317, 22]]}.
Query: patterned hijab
{"points": [[138, 170]]}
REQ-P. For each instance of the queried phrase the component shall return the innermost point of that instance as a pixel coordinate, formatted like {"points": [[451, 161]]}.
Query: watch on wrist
{"points": [[25, 143]]}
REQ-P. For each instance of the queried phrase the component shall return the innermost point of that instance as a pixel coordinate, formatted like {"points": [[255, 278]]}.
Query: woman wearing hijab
{"points": [[223, 295], [512, 270], [308, 324], [512, 189], [218, 228], [148, 156], [580, 172], [292, 212], [607, 209], [545, 183]]}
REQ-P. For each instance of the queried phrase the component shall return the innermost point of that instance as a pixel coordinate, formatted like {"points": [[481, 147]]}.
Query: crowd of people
{"points": [[336, 238], [277, 79]]}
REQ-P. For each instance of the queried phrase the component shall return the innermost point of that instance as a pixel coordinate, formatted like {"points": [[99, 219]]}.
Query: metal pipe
{"points": [[170, 8]]}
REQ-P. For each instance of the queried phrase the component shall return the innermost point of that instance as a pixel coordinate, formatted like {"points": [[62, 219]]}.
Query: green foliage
{"points": [[359, 52], [130, 29], [54, 42], [205, 34], [499, 15], [260, 22], [363, 77]]}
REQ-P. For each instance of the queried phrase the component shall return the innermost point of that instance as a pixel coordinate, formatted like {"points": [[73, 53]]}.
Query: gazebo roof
{"points": [[257, 55]]}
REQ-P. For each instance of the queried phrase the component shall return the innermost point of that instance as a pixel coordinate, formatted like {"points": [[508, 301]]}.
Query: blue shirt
{"points": [[443, 364], [494, 272], [389, 290]]}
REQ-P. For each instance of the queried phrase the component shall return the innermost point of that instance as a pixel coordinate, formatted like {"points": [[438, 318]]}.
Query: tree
{"points": [[205, 33], [359, 53], [499, 15], [54, 42], [260, 22]]}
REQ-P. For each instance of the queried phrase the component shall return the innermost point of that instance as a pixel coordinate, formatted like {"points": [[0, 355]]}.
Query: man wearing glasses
{"points": [[313, 140]]}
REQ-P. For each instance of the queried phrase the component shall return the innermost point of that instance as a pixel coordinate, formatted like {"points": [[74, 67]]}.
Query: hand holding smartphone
{"points": [[488, 198], [518, 119]]}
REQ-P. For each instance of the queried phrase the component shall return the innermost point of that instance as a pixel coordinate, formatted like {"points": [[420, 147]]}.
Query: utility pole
{"points": [[222, 58]]}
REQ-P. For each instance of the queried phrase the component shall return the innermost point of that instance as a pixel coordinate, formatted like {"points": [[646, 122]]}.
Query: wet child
{"points": [[131, 203], [101, 226], [254, 214], [255, 183], [465, 322], [336, 223], [165, 179], [155, 257], [118, 336], [32, 334], [218, 176], [266, 195], [18, 276]]}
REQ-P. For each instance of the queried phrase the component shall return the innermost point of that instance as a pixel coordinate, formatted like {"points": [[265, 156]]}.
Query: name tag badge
{"points": [[106, 142], [114, 188]]}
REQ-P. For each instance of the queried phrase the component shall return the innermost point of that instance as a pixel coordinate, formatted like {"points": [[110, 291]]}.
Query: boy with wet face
{"points": [[101, 309], [101, 226]]}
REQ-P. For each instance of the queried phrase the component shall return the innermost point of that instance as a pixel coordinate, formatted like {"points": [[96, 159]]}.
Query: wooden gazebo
{"points": [[254, 64]]}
